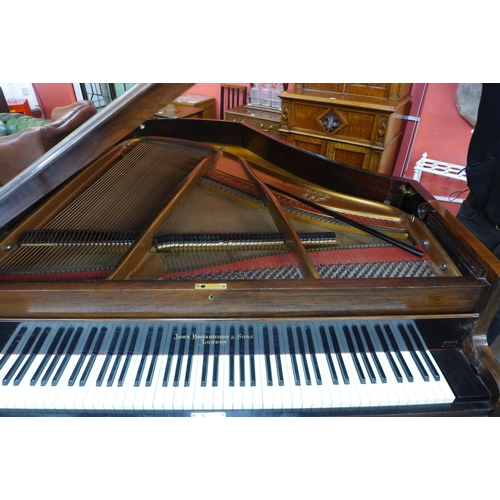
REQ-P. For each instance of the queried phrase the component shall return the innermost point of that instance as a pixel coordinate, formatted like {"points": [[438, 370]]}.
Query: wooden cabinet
{"points": [[266, 120], [177, 111], [360, 124], [206, 103]]}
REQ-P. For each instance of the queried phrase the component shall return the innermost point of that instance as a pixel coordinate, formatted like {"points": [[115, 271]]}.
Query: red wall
{"points": [[441, 133]]}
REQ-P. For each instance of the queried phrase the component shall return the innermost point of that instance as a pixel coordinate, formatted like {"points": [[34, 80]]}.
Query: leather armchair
{"points": [[19, 150]]}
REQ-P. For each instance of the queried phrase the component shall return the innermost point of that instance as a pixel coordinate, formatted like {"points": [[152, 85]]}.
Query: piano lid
{"points": [[84, 145]]}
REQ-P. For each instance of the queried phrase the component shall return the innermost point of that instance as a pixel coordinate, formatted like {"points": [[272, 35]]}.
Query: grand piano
{"points": [[204, 268]]}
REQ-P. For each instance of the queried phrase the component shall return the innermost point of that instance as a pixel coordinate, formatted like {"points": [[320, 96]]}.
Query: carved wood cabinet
{"points": [[360, 124]]}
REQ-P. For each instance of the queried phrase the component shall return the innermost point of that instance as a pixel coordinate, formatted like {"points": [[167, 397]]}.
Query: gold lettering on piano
{"points": [[204, 339], [211, 339], [315, 196]]}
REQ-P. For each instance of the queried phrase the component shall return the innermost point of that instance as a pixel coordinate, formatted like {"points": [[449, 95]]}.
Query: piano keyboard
{"points": [[217, 366]]}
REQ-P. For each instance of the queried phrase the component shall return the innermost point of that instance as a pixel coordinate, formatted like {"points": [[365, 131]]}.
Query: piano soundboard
{"points": [[230, 368]]}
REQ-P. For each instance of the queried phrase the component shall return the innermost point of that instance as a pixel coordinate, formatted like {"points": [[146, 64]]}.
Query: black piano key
{"points": [[171, 349], [395, 348], [293, 357], [206, 358], [128, 357], [93, 357], [144, 357], [109, 355], [312, 354], [371, 348], [83, 355], [215, 371], [251, 348], [413, 354], [154, 358], [180, 357], [189, 360], [241, 350], [329, 360], [267, 357], [50, 351], [71, 350], [32, 355], [362, 352], [24, 352], [12, 346], [422, 349], [121, 352], [338, 354], [302, 353], [352, 350], [390, 359], [58, 355], [277, 354], [232, 342]]}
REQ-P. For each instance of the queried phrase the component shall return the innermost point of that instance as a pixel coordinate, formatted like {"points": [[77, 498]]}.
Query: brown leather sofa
{"points": [[19, 150]]}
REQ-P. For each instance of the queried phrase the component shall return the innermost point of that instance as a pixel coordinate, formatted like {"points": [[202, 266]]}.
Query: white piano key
{"points": [[45, 395], [255, 384], [442, 390], [79, 393], [368, 390], [286, 389], [131, 393], [168, 391], [7, 392], [125, 375], [219, 389], [165, 392], [180, 389], [190, 393], [385, 391], [104, 394], [349, 396], [15, 347], [444, 394], [330, 395], [260, 368], [62, 395], [208, 392], [288, 362], [338, 395], [152, 393], [238, 389], [143, 367], [88, 392], [414, 388], [24, 391], [153, 398], [228, 400], [145, 357]]}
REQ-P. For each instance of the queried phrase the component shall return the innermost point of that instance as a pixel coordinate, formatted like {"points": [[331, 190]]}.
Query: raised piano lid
{"points": [[84, 145]]}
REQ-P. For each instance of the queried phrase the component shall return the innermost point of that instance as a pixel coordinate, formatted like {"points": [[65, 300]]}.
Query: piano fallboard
{"points": [[232, 368]]}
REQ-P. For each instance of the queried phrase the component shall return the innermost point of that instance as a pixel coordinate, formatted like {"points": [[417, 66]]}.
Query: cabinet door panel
{"points": [[357, 156], [312, 144]]}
